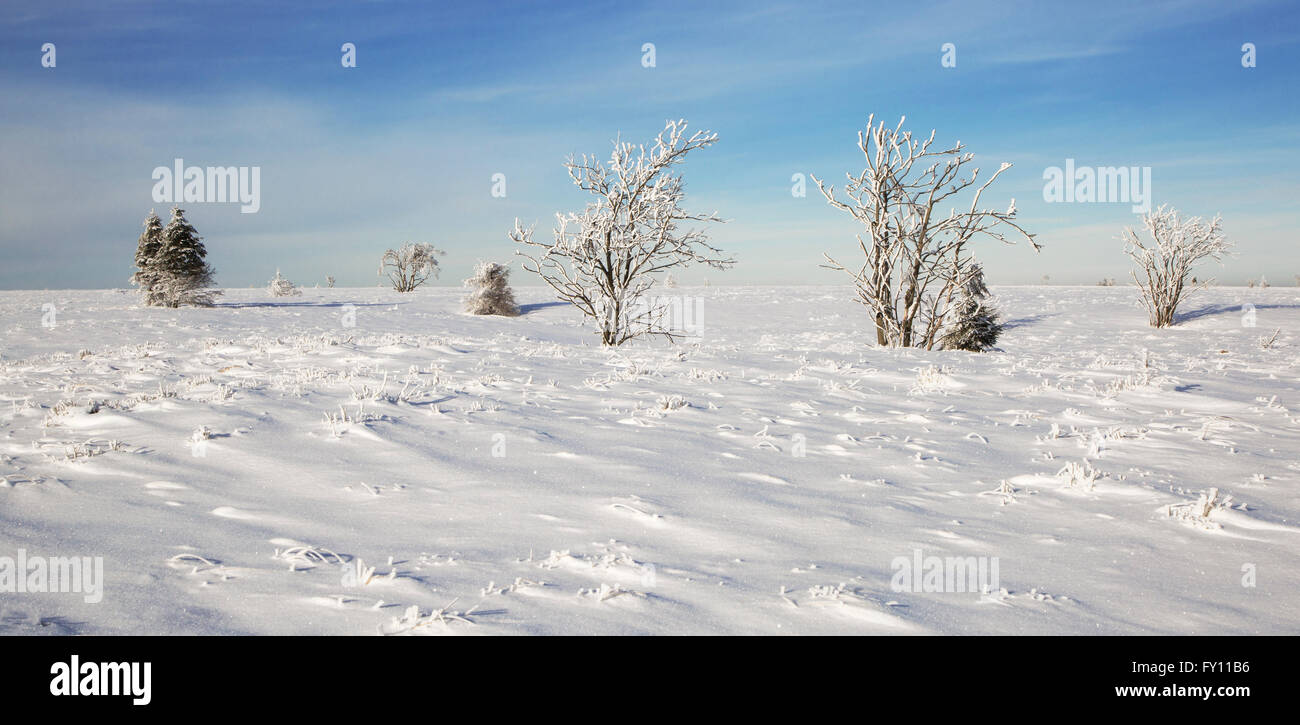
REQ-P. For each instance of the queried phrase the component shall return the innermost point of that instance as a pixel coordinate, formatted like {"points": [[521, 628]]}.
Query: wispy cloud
{"points": [[405, 145]]}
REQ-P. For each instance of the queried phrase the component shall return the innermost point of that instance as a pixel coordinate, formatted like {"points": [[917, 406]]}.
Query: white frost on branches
{"points": [[915, 259], [410, 266], [1166, 262], [604, 259]]}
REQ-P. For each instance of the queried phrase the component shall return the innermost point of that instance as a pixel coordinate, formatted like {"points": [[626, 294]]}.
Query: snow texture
{"points": [[359, 461]]}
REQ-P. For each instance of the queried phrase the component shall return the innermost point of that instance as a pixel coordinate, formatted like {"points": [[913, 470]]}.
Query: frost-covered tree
{"points": [[410, 266], [1166, 261], [178, 273], [329, 282], [604, 259], [914, 255], [146, 249], [490, 292], [281, 287], [974, 325]]}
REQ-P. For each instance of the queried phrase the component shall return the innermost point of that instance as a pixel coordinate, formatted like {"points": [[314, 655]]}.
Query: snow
{"points": [[266, 466]]}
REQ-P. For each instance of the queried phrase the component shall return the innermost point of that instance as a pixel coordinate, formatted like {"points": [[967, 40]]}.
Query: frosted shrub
{"points": [[1079, 475], [410, 266], [1198, 512], [1166, 262], [930, 379], [604, 259], [671, 402], [490, 291], [915, 252], [281, 287]]}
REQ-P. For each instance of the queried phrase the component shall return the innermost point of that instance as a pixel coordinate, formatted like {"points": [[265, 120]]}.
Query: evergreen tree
{"points": [[146, 250], [491, 293], [183, 277], [977, 327]]}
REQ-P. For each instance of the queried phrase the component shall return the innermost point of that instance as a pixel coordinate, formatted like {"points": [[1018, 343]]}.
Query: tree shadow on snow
{"points": [[21, 624], [1026, 321], [525, 309], [1212, 310], [242, 305]]}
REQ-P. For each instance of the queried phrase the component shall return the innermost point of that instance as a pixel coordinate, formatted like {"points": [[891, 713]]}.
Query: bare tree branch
{"points": [[914, 262], [410, 266], [1166, 262], [604, 259]]}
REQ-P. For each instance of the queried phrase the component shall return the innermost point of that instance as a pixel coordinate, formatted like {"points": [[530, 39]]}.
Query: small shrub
{"points": [[490, 291]]}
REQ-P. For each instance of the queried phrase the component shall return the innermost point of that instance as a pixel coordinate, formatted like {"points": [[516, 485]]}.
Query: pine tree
{"points": [[147, 248], [491, 293], [182, 275], [977, 327]]}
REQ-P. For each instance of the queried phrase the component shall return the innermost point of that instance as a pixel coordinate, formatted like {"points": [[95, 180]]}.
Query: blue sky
{"points": [[444, 95]]}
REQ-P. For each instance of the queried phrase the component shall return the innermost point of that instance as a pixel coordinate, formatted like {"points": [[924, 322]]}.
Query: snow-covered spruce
{"points": [[281, 287], [977, 326], [146, 250], [490, 291], [174, 272]]}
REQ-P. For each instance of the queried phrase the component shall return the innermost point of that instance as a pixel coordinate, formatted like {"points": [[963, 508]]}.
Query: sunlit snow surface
{"points": [[507, 476]]}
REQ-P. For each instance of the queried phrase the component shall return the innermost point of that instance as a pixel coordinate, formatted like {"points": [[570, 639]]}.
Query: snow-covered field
{"points": [[762, 480]]}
